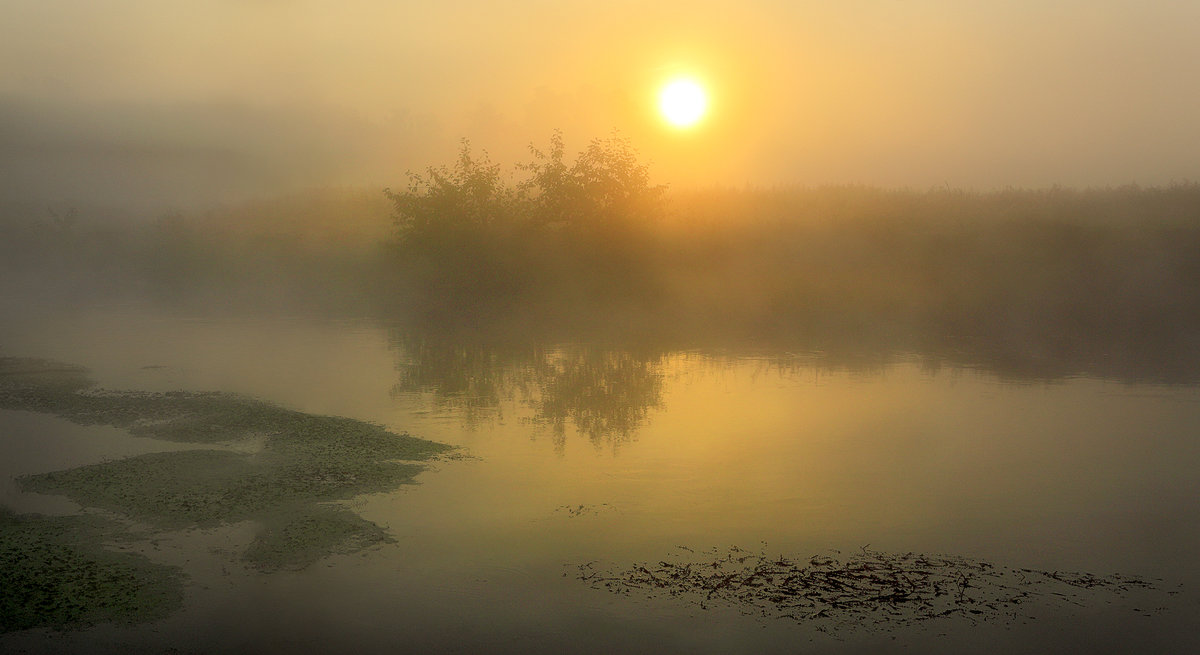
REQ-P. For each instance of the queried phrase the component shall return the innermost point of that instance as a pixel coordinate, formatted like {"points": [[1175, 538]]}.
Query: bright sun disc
{"points": [[682, 103]]}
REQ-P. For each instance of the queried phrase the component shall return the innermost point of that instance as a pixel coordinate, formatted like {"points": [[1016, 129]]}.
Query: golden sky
{"points": [[225, 96]]}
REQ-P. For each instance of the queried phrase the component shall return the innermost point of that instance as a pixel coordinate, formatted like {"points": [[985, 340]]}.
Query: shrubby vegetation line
{"points": [[1103, 280]]}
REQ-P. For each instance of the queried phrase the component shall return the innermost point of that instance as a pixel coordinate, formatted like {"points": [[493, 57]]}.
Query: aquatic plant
{"points": [[54, 572], [867, 589], [293, 540], [304, 462]]}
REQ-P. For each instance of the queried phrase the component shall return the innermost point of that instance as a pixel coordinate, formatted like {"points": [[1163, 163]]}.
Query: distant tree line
{"points": [[587, 246]]}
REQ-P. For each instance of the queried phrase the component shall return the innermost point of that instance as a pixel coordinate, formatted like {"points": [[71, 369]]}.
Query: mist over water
{"points": [[635, 370], [619, 452], [384, 328], [1028, 284]]}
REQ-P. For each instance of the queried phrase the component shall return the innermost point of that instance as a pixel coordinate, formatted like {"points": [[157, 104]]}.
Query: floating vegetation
{"points": [[203, 488], [25, 381], [866, 590], [300, 462], [54, 573], [576, 511], [295, 540]]}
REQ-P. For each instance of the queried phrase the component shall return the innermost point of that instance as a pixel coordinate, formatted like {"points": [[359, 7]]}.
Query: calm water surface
{"points": [[583, 452]]}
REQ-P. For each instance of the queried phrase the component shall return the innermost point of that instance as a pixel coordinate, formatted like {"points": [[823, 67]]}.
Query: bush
{"points": [[466, 233]]}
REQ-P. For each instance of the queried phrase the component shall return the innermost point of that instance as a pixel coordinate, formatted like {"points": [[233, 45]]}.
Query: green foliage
{"points": [[605, 187], [465, 231], [453, 202]]}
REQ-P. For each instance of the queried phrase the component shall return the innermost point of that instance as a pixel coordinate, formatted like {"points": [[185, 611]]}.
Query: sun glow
{"points": [[682, 102]]}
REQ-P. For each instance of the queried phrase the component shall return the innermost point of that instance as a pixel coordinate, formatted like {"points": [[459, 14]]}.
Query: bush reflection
{"points": [[601, 392]]}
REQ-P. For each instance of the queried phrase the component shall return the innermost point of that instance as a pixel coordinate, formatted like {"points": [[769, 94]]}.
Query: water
{"points": [[614, 453]]}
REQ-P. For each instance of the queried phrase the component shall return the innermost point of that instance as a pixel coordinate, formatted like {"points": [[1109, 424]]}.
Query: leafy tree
{"points": [[463, 229], [606, 186], [452, 202]]}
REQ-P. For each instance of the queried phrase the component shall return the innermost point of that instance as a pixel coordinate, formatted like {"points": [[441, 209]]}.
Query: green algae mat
{"points": [[299, 467], [53, 573]]}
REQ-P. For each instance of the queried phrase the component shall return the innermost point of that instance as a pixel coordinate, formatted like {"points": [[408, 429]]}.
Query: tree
{"points": [[606, 186], [464, 229], [452, 202]]}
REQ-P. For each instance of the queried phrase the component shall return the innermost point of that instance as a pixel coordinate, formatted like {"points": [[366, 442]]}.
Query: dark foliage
{"points": [[469, 239]]}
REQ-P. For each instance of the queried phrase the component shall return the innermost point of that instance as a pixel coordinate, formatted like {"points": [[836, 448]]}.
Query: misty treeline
{"points": [[320, 249], [1104, 281], [1021, 277]]}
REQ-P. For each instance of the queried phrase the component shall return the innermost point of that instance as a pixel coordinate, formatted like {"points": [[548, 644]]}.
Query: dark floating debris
{"points": [[865, 590], [576, 511]]}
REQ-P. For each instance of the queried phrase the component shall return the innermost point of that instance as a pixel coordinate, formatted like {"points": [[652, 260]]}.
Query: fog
{"points": [[138, 105], [424, 327]]}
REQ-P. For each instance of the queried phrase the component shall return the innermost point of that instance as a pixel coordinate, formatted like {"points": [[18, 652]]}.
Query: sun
{"points": [[682, 102]]}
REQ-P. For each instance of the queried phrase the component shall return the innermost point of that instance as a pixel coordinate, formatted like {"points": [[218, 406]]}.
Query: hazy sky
{"points": [[179, 102]]}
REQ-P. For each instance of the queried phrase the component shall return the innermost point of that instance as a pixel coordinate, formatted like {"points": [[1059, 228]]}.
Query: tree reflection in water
{"points": [[603, 393], [467, 376], [602, 375]]}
